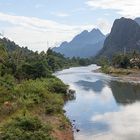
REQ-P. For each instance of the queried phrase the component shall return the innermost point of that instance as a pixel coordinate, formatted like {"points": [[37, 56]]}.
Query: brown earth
{"points": [[62, 128]]}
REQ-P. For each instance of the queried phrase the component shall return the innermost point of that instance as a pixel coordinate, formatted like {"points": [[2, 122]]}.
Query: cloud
{"points": [[124, 124], [34, 23], [127, 8], [35, 32], [104, 25], [104, 97]]}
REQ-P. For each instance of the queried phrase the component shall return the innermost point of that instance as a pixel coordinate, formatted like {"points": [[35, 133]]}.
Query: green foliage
{"points": [[6, 87], [53, 109], [29, 94], [25, 128], [5, 95], [3, 53], [35, 70], [3, 56], [105, 69], [121, 61], [27, 83], [47, 92], [57, 61], [103, 61], [25, 64], [7, 81], [57, 86]]}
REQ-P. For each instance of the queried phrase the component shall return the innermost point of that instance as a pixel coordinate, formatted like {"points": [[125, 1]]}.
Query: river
{"points": [[104, 108]]}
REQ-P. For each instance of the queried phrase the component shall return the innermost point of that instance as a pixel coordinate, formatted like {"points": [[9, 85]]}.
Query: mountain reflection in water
{"points": [[125, 93], [96, 86]]}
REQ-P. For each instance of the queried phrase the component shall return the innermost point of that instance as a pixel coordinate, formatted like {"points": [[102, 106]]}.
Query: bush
{"points": [[54, 104], [105, 69], [53, 109], [31, 92], [5, 95], [25, 128], [41, 91], [121, 61], [7, 81], [57, 86], [33, 71]]}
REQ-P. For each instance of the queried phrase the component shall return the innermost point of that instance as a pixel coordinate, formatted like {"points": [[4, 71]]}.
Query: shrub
{"points": [[35, 70], [40, 91], [25, 128], [53, 109], [5, 95], [54, 104], [57, 86]]}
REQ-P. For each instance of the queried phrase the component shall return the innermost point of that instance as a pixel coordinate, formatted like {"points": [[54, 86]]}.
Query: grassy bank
{"points": [[119, 71], [116, 71], [127, 75], [33, 109], [121, 64]]}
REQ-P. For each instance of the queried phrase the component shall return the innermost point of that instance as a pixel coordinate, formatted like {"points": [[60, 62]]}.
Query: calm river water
{"points": [[104, 108]]}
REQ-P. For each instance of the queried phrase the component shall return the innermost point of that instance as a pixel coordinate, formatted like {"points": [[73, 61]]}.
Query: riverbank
{"points": [[127, 75], [33, 109]]}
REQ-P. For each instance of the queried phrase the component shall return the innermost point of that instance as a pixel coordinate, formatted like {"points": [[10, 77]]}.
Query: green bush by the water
{"points": [[26, 128], [40, 91]]}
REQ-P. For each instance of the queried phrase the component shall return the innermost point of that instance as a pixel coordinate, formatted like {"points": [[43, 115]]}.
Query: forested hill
{"points": [[12, 46], [24, 63]]}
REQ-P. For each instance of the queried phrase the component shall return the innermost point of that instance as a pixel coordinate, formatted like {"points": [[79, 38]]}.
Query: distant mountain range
{"points": [[124, 36], [85, 44]]}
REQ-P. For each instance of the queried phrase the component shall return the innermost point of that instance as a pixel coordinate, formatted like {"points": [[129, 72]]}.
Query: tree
{"points": [[103, 61], [3, 53], [121, 61], [33, 71]]}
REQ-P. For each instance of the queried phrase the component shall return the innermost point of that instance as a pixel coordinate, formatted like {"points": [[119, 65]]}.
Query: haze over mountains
{"points": [[86, 44], [124, 36]]}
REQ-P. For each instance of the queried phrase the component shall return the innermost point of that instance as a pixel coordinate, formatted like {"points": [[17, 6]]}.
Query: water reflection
{"points": [[124, 124], [104, 109], [125, 93], [96, 86]]}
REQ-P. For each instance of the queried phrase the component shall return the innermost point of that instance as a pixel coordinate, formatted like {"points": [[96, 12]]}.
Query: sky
{"points": [[39, 24]]}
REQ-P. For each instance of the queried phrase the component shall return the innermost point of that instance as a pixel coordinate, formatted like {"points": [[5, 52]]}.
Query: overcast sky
{"points": [[39, 24]]}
